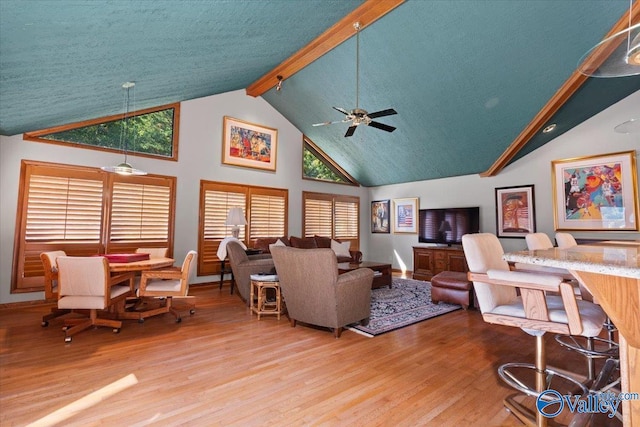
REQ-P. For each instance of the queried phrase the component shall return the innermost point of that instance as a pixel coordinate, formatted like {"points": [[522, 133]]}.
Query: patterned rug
{"points": [[406, 303]]}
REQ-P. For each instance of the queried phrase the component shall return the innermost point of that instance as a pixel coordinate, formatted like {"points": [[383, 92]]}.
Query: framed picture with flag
{"points": [[405, 215]]}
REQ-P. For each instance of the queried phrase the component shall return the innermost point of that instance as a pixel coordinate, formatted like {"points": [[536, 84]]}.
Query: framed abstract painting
{"points": [[249, 145], [597, 193]]}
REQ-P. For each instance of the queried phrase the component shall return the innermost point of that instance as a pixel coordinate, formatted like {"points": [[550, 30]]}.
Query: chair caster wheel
{"points": [[179, 319], [192, 311], [64, 328], [116, 330], [44, 324], [67, 339], [141, 320]]}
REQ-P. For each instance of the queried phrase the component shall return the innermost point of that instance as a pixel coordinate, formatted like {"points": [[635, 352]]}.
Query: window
{"points": [[155, 133], [332, 215], [86, 211], [265, 210], [318, 166]]}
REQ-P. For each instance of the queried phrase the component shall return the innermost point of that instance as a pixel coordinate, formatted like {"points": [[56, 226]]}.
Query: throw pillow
{"points": [[297, 242], [323, 242], [341, 249], [278, 243]]}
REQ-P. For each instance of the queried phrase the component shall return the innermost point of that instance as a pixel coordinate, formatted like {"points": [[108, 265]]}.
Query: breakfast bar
{"points": [[611, 272]]}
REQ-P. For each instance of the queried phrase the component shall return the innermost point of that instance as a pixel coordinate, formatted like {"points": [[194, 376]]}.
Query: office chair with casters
{"points": [[521, 299], [162, 286], [153, 252], [51, 284], [85, 283]]}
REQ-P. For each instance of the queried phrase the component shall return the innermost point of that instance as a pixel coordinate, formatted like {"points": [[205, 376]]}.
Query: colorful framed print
{"points": [[405, 215], [515, 211], [249, 145], [598, 193], [380, 216]]}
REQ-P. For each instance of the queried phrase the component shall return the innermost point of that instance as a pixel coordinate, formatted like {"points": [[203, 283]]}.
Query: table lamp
{"points": [[235, 217]]}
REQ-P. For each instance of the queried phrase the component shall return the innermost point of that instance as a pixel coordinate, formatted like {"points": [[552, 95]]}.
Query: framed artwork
{"points": [[380, 216], [405, 215], [515, 211], [596, 193], [249, 145]]}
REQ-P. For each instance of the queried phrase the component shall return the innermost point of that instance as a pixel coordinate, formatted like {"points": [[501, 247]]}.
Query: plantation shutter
{"points": [[332, 215], [140, 212], [265, 210], [318, 216], [268, 212], [68, 208], [346, 219]]}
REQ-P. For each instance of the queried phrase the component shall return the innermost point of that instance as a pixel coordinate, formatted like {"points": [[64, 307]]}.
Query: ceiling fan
{"points": [[358, 116]]}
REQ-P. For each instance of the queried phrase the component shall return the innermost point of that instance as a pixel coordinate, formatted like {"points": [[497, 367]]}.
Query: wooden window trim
{"points": [[37, 136], [207, 267], [329, 162], [355, 242], [28, 168]]}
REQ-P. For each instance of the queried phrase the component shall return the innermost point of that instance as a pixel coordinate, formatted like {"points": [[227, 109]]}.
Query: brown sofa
{"points": [[316, 294], [315, 242]]}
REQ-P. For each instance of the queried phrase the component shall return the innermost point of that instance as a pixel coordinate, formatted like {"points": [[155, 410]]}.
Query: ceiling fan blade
{"points": [[382, 126], [342, 110], [329, 123], [350, 131], [382, 113]]}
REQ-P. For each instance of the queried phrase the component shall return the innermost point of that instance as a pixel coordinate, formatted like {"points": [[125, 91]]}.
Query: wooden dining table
{"points": [[610, 271], [136, 266]]}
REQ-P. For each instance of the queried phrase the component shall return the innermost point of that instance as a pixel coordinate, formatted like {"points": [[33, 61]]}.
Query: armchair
{"points": [[243, 266], [314, 293], [86, 283]]}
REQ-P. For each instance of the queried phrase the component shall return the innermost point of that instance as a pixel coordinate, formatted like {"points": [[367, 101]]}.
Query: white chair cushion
{"points": [[81, 302], [592, 317], [160, 285]]}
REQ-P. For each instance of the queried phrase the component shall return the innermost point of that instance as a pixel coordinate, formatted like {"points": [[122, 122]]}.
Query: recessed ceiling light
{"points": [[549, 128], [630, 126]]}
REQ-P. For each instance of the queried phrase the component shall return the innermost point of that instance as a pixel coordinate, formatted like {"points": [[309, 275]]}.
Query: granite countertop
{"points": [[611, 258]]}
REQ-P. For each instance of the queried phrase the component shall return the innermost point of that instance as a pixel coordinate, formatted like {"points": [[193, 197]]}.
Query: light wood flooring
{"points": [[223, 367]]}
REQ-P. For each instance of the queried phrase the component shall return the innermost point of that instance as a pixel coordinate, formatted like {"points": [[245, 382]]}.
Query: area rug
{"points": [[406, 303]]}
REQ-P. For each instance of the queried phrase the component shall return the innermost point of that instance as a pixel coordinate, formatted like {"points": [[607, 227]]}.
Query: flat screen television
{"points": [[447, 225]]}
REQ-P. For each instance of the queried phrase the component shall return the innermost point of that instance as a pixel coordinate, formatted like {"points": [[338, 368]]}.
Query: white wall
{"points": [[595, 136], [200, 153]]}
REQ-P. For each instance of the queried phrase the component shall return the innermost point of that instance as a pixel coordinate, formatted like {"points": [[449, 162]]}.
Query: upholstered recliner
{"points": [[243, 266], [314, 293]]}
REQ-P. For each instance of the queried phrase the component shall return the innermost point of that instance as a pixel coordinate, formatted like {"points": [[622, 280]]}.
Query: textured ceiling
{"points": [[466, 77]]}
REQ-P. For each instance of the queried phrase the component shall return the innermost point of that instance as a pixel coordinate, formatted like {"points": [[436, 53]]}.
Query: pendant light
{"points": [[615, 56], [125, 168]]}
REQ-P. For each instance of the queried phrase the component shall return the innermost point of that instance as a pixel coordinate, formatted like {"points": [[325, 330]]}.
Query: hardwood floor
{"points": [[224, 367]]}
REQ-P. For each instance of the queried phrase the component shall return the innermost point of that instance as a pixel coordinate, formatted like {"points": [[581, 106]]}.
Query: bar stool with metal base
{"points": [[533, 310]]}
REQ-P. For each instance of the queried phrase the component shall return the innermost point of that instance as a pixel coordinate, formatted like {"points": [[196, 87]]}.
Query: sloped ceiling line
{"points": [[366, 14]]}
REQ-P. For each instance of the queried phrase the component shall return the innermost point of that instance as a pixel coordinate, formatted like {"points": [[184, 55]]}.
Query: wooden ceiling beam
{"points": [[556, 102], [367, 13]]}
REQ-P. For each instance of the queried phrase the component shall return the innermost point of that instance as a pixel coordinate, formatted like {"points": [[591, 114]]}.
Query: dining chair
{"points": [[522, 299], [51, 284], [153, 252], [162, 286], [86, 283]]}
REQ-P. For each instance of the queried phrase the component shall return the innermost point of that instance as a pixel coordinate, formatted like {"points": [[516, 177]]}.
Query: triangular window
{"points": [[318, 166], [154, 133]]}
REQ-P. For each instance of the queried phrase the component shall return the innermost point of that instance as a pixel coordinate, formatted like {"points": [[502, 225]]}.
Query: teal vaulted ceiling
{"points": [[466, 77]]}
